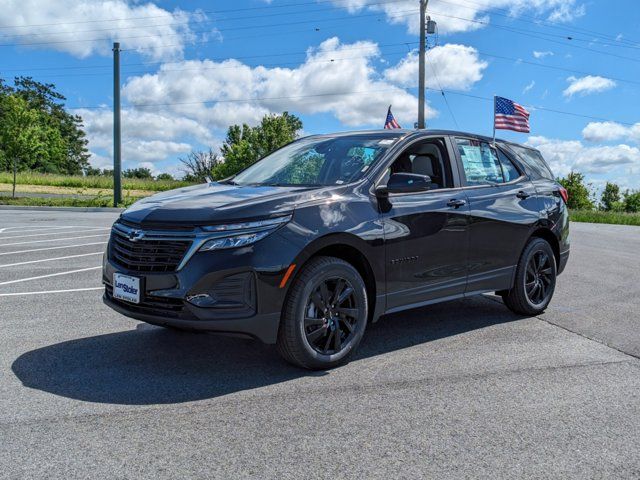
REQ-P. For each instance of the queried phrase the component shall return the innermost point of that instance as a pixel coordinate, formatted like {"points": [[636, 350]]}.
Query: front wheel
{"points": [[324, 316], [535, 279]]}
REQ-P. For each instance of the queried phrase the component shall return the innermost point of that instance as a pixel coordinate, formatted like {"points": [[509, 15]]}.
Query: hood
{"points": [[216, 203]]}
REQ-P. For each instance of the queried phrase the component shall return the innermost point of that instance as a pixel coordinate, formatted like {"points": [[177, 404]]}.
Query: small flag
{"points": [[391, 121], [508, 115]]}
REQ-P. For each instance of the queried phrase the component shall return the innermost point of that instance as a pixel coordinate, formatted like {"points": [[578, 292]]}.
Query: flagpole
{"points": [[494, 120]]}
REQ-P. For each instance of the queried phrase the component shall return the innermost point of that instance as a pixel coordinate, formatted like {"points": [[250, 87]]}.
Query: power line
{"points": [[338, 94], [213, 59], [532, 35], [446, 101], [244, 27], [536, 107], [199, 22], [538, 21], [245, 100], [210, 12], [279, 64]]}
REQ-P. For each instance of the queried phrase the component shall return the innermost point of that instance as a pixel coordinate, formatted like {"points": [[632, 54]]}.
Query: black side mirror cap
{"points": [[405, 183]]}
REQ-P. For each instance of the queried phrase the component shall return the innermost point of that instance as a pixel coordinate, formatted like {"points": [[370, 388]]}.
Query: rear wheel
{"points": [[324, 316], [535, 279]]}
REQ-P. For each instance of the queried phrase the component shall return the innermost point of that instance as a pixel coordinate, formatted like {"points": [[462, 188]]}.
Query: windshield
{"points": [[318, 161]]}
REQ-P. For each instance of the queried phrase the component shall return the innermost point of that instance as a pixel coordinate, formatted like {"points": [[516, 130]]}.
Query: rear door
{"points": [[502, 210]]}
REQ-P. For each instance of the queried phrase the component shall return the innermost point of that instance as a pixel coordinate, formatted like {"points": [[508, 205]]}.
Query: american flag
{"points": [[510, 116], [391, 121]]}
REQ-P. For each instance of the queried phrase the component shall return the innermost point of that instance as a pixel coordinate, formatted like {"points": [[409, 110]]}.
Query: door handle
{"points": [[455, 203], [522, 194]]}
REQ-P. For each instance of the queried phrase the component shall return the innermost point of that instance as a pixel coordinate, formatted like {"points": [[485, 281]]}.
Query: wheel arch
{"points": [[352, 250], [547, 235]]}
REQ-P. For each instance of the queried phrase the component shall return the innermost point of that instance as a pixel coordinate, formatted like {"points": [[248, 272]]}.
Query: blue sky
{"points": [[338, 64]]}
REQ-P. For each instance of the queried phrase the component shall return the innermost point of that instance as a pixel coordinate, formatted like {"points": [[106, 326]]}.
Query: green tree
{"points": [[632, 201], [21, 136], [610, 199], [245, 145], [140, 172], [66, 141], [579, 192], [164, 176]]}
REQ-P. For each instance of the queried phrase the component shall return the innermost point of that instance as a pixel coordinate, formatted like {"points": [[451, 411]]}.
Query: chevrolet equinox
{"points": [[308, 245]]}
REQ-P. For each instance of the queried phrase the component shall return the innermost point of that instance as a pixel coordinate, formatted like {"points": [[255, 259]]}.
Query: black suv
{"points": [[328, 233]]}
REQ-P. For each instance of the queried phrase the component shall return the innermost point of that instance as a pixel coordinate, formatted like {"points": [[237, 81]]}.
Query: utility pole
{"points": [[421, 62], [117, 160]]}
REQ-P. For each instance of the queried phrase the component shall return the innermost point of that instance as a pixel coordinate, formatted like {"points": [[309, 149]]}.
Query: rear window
{"points": [[533, 160]]}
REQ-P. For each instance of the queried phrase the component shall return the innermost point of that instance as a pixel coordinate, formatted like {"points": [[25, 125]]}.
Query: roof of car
{"points": [[405, 132]]}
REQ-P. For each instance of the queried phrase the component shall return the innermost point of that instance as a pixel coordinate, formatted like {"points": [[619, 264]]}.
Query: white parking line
{"points": [[53, 248], [50, 291], [53, 240], [96, 229], [51, 259], [20, 280], [38, 228]]}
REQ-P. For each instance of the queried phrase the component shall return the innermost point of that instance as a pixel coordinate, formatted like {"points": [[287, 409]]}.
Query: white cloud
{"points": [[538, 54], [195, 101], [146, 137], [448, 66], [566, 155], [63, 26], [529, 86], [587, 85], [444, 11], [609, 131], [335, 78]]}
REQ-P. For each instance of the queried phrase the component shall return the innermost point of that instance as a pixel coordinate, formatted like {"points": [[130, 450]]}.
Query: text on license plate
{"points": [[126, 288]]}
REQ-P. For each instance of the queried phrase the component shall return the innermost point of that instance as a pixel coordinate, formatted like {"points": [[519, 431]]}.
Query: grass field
{"points": [[99, 201], [102, 183], [597, 216]]}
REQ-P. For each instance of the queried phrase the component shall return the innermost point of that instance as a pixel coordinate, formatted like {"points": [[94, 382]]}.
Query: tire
{"points": [[319, 328], [535, 279]]}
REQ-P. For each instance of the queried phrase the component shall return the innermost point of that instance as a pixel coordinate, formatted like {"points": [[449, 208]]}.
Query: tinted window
{"points": [[533, 160], [509, 170], [480, 162], [425, 158], [318, 161]]}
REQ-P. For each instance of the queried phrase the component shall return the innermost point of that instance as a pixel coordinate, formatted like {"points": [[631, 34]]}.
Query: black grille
{"points": [[168, 307], [158, 256]]}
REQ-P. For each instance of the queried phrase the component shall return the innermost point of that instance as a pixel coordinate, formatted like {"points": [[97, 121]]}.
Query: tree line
{"points": [[243, 146], [612, 198]]}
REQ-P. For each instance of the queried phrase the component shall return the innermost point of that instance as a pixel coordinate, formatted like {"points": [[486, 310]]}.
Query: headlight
{"points": [[241, 234]]}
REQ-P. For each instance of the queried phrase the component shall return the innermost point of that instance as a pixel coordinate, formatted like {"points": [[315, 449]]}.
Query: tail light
{"points": [[564, 194]]}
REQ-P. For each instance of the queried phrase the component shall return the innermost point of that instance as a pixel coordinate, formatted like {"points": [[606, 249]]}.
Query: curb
{"points": [[61, 209]]}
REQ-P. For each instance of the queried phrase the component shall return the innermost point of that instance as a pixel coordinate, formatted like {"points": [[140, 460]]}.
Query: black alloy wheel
{"points": [[539, 277], [324, 316], [331, 316], [535, 279]]}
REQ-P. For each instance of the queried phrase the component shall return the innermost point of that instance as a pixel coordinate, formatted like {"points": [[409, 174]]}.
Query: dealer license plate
{"points": [[126, 288]]}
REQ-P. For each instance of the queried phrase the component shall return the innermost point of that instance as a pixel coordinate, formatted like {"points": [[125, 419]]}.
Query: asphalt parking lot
{"points": [[461, 389]]}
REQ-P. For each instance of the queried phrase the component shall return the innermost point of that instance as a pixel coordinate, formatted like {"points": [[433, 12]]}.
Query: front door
{"points": [[426, 232]]}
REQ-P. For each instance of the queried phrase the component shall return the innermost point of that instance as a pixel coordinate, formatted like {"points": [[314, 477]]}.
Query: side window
{"points": [[480, 162], [429, 158], [533, 159], [509, 170]]}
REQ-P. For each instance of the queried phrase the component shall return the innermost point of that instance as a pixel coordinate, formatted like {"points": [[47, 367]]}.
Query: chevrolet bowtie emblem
{"points": [[135, 235]]}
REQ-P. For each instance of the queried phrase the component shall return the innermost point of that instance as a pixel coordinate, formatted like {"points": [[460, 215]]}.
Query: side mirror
{"points": [[405, 183]]}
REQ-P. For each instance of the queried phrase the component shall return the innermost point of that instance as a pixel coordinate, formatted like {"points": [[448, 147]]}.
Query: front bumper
{"points": [[241, 288]]}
